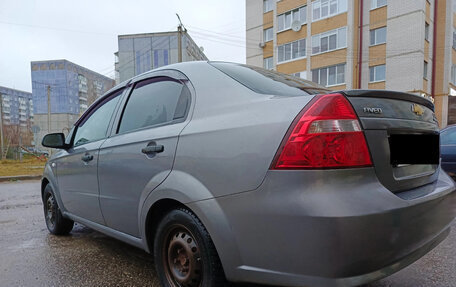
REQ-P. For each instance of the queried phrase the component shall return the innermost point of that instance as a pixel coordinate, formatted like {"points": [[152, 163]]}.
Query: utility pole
{"points": [[20, 146], [179, 39], [1, 124], [49, 108]]}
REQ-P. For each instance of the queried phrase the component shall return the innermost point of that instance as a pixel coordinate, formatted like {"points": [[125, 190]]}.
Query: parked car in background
{"points": [[448, 149], [230, 172]]}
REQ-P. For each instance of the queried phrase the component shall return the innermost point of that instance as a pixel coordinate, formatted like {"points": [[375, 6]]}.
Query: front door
{"points": [[140, 155], [77, 169]]}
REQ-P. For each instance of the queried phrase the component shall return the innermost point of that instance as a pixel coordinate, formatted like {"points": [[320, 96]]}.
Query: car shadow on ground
{"points": [[116, 256]]}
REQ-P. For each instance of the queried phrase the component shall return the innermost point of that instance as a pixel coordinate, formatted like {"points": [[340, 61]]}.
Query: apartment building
{"points": [[16, 107], [360, 44], [139, 53], [65, 90]]}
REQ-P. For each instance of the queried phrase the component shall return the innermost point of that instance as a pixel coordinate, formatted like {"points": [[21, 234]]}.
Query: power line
{"points": [[55, 28]]}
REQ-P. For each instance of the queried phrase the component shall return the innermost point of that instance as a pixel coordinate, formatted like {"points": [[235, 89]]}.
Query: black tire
{"points": [[55, 222], [184, 253]]}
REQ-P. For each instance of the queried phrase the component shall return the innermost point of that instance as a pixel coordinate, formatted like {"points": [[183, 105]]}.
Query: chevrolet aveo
{"points": [[227, 172]]}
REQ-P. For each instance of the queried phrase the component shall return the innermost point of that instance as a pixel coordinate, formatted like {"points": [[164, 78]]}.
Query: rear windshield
{"points": [[269, 82]]}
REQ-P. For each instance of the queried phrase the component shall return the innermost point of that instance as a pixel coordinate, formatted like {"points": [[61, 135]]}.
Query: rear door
{"points": [[140, 153], [402, 134]]}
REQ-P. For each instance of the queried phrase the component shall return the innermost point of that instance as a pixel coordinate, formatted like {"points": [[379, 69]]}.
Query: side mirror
{"points": [[56, 140]]}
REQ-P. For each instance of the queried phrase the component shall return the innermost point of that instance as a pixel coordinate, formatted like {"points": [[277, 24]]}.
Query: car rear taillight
{"points": [[325, 134]]}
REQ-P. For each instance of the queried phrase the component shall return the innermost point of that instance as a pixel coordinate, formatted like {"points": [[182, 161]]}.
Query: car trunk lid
{"points": [[402, 134]]}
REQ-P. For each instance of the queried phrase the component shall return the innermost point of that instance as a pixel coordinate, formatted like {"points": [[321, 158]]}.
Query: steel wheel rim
{"points": [[182, 258], [50, 211]]}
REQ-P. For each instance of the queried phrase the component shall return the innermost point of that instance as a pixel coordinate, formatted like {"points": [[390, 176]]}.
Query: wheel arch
{"points": [[44, 183], [155, 214], [214, 221]]}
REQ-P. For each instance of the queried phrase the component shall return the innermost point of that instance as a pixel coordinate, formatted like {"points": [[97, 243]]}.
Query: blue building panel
{"points": [[140, 53], [72, 88]]}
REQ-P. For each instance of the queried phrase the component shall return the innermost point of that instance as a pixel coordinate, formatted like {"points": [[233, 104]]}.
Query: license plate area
{"points": [[414, 149]]}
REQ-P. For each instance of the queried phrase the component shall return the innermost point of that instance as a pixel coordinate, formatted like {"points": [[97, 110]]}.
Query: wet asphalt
{"points": [[30, 256]]}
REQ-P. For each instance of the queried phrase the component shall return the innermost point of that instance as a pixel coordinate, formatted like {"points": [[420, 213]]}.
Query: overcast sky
{"points": [[85, 31]]}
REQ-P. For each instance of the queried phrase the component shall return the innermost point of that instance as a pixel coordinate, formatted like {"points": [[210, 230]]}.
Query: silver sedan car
{"points": [[227, 172]]}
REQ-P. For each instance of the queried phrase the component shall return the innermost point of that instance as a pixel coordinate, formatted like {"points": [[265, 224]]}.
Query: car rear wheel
{"points": [[184, 253], [55, 221]]}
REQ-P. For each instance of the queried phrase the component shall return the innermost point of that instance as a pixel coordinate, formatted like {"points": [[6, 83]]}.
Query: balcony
{"points": [[83, 97]]}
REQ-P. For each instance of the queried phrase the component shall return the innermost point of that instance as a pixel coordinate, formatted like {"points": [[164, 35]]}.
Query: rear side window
{"points": [[155, 102], [269, 82]]}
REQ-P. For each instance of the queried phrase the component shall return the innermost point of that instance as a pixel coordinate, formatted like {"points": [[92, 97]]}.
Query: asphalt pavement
{"points": [[30, 256]]}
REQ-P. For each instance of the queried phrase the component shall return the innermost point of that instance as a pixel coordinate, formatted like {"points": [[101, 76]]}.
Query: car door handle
{"points": [[153, 149], [87, 158]]}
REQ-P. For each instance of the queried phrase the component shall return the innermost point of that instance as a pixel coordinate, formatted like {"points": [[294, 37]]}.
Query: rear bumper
{"points": [[331, 228]]}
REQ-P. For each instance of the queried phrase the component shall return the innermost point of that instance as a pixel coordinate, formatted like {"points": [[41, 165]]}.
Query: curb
{"points": [[19, 177]]}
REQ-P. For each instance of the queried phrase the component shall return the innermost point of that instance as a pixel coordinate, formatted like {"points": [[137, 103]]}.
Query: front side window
{"points": [[378, 36], [377, 73], [267, 35], [95, 125], [329, 76], [377, 3], [154, 102], [291, 51], [284, 20], [329, 41], [322, 9]]}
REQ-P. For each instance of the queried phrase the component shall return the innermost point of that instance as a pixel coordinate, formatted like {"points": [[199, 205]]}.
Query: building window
{"points": [[329, 76], [377, 73], [377, 4], [426, 32], [454, 39], [267, 63], [302, 75], [268, 5], [284, 20], [291, 51], [453, 74], [267, 35], [378, 36], [326, 8], [329, 41], [425, 70]]}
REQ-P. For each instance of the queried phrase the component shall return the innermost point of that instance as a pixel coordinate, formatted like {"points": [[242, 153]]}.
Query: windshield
{"points": [[269, 82]]}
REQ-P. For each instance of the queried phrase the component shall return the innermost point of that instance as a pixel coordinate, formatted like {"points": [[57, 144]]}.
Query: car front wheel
{"points": [[184, 253], [55, 222]]}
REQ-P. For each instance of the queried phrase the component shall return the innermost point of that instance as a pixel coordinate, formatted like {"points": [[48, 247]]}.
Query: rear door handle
{"points": [[87, 158], [153, 149]]}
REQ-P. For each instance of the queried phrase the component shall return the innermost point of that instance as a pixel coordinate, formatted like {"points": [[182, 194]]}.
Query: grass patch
{"points": [[28, 166]]}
